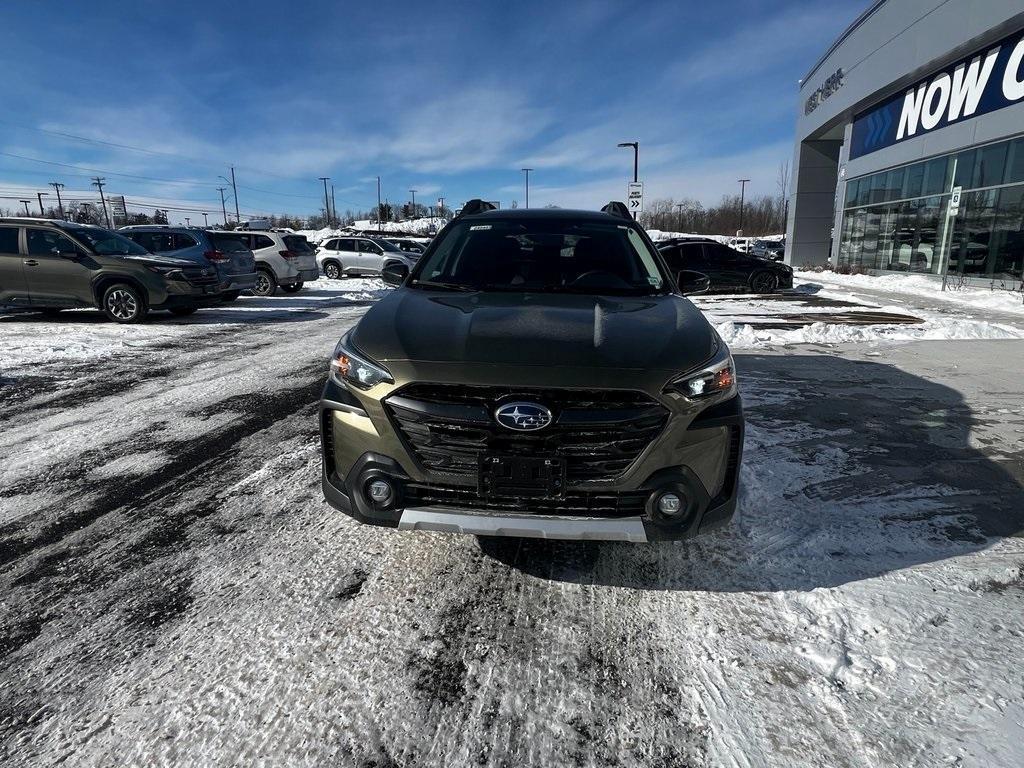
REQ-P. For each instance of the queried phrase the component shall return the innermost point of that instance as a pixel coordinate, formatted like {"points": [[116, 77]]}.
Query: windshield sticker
{"points": [[476, 227]]}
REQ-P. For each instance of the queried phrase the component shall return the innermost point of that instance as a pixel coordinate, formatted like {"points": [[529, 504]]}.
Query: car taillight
{"points": [[217, 257], [289, 254]]}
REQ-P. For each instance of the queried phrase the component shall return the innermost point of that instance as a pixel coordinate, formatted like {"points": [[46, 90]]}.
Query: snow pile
{"points": [[659, 234], [919, 285], [744, 336]]}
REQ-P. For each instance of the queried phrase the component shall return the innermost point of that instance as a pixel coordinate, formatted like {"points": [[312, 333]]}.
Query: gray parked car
{"points": [[234, 262]]}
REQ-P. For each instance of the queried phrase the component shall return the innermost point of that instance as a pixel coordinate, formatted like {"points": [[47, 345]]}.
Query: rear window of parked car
{"points": [[228, 243], [298, 243], [261, 241]]}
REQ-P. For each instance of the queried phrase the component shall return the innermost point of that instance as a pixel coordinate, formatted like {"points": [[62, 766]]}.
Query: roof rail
{"points": [[476, 206], [615, 208]]}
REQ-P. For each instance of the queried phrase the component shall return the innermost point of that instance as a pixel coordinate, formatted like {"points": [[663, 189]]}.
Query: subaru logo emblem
{"points": [[522, 417]]}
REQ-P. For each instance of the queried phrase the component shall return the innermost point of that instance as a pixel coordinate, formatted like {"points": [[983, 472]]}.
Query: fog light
{"points": [[380, 492], [669, 504]]}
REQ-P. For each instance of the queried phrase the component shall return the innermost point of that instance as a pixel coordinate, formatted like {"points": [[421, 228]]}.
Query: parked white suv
{"points": [[340, 256], [282, 259]]}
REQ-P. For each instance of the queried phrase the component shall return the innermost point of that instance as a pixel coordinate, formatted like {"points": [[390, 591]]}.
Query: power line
{"points": [[109, 173]]}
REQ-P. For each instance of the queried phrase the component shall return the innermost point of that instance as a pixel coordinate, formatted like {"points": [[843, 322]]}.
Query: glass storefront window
{"points": [[1015, 162], [991, 166], [935, 176], [896, 219]]}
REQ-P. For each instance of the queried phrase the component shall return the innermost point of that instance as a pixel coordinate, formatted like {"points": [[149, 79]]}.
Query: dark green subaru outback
{"points": [[54, 265], [538, 373]]}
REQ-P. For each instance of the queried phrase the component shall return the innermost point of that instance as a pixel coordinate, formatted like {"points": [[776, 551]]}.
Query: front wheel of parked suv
{"points": [[266, 285], [292, 287], [332, 270], [124, 303]]}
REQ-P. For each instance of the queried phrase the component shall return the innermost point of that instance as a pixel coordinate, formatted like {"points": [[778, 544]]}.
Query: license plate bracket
{"points": [[521, 476]]}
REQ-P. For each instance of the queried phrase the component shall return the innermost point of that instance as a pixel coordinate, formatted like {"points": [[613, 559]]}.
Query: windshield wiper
{"points": [[445, 286]]}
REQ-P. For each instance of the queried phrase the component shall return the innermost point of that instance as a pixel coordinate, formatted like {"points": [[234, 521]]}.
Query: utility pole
{"points": [[60, 204], [25, 203], [206, 219], [40, 196], [98, 182], [234, 187], [743, 189], [327, 200], [679, 215], [378, 205], [413, 192], [334, 205], [527, 172], [223, 208]]}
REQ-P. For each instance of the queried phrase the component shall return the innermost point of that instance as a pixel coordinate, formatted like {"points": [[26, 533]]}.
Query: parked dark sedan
{"points": [[728, 269]]}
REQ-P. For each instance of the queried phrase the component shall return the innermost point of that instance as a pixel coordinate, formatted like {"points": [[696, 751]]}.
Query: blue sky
{"points": [[450, 99]]}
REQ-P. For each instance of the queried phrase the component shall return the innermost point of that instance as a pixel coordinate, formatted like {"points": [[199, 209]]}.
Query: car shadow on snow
{"points": [[217, 315], [852, 469]]}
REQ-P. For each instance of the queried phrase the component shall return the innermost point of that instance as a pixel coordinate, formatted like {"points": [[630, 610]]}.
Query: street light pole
{"points": [[413, 193], [636, 160], [527, 172], [743, 189], [206, 219], [40, 196], [60, 204], [188, 222], [334, 205], [25, 203], [636, 157]]}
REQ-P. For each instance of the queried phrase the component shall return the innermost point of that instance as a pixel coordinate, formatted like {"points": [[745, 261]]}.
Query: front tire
{"points": [[764, 282], [292, 287], [266, 285], [333, 271], [124, 303]]}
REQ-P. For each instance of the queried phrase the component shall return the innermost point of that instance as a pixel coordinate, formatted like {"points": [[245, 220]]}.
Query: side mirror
{"points": [[394, 273], [69, 255], [691, 282]]}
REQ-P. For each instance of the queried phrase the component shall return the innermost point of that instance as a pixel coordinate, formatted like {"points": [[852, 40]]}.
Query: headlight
{"points": [[171, 273], [355, 368], [716, 377]]}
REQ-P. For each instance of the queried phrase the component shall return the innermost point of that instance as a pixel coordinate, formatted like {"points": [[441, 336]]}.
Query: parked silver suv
{"points": [[353, 255], [282, 259], [235, 264]]}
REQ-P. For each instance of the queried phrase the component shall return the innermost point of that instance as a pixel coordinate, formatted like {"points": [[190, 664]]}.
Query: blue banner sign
{"points": [[981, 83]]}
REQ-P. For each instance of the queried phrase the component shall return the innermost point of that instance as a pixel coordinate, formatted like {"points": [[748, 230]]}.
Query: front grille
{"points": [[598, 433], [630, 503]]}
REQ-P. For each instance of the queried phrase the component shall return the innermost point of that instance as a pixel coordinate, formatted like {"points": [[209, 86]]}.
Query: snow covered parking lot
{"points": [[175, 591]]}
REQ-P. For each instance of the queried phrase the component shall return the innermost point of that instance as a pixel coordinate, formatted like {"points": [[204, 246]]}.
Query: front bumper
{"points": [[357, 448]]}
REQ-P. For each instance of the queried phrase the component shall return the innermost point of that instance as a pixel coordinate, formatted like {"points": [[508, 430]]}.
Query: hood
{"points": [[650, 332]]}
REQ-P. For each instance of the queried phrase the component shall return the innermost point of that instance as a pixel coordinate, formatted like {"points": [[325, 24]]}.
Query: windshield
{"points": [[560, 256], [106, 243]]}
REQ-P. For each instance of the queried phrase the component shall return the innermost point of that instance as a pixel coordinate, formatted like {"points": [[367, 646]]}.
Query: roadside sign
{"points": [[635, 197], [117, 206], [954, 202]]}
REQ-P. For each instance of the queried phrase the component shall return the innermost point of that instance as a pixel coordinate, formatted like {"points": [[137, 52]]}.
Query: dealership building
{"points": [[910, 143]]}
